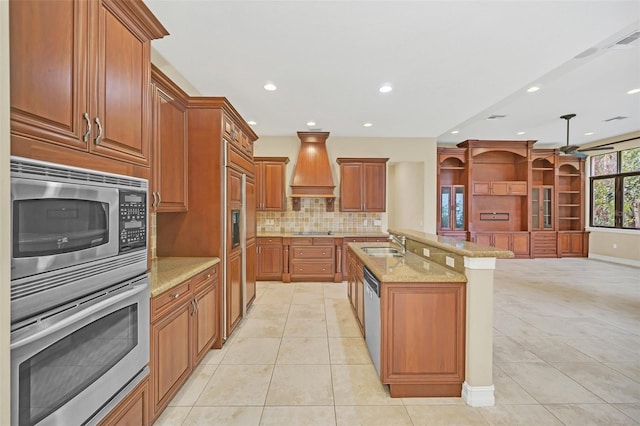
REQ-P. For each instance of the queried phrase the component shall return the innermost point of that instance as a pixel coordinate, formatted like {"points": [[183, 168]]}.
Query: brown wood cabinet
{"points": [[81, 81], [423, 338], [269, 262], [133, 410], [270, 182], [355, 287], [169, 192], [500, 188], [312, 259], [184, 326], [234, 290], [363, 184], [517, 242], [573, 243], [250, 282]]}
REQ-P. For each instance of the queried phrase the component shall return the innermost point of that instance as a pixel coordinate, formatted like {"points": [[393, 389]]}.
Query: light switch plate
{"points": [[426, 252]]}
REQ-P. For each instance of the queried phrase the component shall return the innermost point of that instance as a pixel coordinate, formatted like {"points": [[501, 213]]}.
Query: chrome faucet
{"points": [[402, 242]]}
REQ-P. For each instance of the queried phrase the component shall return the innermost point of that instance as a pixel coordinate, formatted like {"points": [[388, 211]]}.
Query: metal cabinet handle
{"points": [[175, 296], [208, 275], [97, 139], [159, 198], [87, 119]]}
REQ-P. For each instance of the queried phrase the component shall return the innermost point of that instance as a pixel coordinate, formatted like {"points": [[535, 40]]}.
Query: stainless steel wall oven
{"points": [[79, 292]]}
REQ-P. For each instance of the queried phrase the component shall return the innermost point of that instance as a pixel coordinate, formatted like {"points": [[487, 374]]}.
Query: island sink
{"points": [[382, 251]]}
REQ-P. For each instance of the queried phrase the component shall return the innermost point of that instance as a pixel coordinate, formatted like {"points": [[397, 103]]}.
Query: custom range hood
{"points": [[312, 177]]}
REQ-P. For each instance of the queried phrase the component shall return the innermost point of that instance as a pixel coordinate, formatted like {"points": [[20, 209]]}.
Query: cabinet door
{"points": [[250, 283], [170, 153], [273, 175], [351, 187], [250, 211], [484, 239], [270, 261], [499, 188], [122, 100], [48, 60], [234, 291], [205, 321], [133, 410], [520, 243], [502, 241], [360, 296], [375, 187], [171, 355]]}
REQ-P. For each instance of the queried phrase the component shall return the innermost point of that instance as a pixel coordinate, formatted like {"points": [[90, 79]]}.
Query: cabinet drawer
{"points": [[354, 240], [170, 299], [204, 277], [268, 240], [301, 241], [323, 241], [312, 268], [312, 252], [377, 239]]}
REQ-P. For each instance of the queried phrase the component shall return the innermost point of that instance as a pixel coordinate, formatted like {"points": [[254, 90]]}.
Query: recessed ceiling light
{"points": [[455, 132], [385, 88], [588, 133], [533, 89], [311, 123], [251, 123], [367, 124], [269, 86], [633, 91], [521, 133]]}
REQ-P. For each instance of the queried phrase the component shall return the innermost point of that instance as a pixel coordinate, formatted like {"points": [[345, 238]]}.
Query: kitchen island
{"points": [[436, 314]]}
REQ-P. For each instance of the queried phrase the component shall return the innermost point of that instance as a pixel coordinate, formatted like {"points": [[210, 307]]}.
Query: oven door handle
{"points": [[78, 316]]}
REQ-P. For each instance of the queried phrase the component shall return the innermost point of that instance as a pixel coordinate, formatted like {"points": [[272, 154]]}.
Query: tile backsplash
{"points": [[313, 217]]}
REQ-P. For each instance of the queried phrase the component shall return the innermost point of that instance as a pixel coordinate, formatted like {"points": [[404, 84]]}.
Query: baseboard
{"points": [[612, 259], [478, 396]]}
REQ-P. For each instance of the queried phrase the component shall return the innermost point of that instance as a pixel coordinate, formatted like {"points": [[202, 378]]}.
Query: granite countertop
{"points": [[167, 272], [460, 247], [410, 268], [332, 234]]}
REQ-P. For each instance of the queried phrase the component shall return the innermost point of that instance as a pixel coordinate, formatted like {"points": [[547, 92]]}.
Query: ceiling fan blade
{"points": [[568, 148], [597, 148]]}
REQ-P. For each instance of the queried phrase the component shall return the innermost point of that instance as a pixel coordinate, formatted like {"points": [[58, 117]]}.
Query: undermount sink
{"points": [[382, 251]]}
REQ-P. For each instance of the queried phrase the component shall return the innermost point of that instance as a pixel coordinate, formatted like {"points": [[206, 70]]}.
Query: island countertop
{"points": [[329, 234], [409, 268], [167, 272], [459, 247]]}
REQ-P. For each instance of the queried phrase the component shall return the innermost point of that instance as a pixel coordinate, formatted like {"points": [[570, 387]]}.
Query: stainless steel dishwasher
{"points": [[372, 316]]}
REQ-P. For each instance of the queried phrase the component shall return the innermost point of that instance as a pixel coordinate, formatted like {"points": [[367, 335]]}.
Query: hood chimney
{"points": [[312, 177]]}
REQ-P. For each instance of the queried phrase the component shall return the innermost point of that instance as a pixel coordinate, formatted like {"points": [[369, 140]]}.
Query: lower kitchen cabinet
{"points": [[133, 410], [355, 287], [185, 324], [250, 281], [234, 290], [423, 338], [269, 261], [517, 242], [312, 259], [573, 243]]}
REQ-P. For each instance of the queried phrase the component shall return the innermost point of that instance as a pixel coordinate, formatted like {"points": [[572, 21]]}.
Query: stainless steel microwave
{"points": [[73, 232]]}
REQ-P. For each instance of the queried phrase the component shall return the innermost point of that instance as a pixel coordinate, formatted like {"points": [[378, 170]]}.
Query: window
{"points": [[615, 189]]}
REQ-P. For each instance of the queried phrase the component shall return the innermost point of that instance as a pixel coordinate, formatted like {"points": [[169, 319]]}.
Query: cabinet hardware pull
{"points": [[208, 275], [159, 198], [195, 306], [97, 139], [175, 296], [153, 202], [86, 117]]}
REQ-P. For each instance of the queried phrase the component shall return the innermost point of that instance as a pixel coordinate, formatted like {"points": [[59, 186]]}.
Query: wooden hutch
{"points": [[511, 196]]}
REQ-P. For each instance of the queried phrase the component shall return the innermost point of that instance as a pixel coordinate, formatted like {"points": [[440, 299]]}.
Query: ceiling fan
{"points": [[573, 149]]}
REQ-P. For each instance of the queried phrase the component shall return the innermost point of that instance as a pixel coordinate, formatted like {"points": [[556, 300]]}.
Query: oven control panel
{"points": [[133, 220]]}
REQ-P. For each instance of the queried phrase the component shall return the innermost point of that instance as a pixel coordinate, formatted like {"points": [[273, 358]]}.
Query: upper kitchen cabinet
{"points": [[270, 181], [169, 148], [80, 78], [363, 184]]}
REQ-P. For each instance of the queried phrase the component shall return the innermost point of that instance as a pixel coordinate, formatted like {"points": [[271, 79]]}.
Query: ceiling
{"points": [[451, 64]]}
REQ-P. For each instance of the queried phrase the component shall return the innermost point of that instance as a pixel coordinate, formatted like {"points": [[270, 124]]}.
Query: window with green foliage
{"points": [[615, 189]]}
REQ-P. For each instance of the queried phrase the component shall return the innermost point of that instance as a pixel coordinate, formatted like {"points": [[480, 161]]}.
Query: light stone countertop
{"points": [[332, 235], [410, 269], [167, 272], [460, 247]]}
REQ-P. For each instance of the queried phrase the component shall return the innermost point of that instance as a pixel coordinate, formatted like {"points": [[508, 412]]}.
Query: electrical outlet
{"points": [[450, 261], [365, 222], [426, 252], [615, 246], [377, 222], [426, 265]]}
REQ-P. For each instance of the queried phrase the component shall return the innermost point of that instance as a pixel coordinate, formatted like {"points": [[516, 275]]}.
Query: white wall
{"points": [[5, 277], [398, 150], [405, 202]]}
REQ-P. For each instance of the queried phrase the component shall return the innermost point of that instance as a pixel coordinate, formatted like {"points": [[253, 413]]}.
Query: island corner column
{"points": [[478, 389]]}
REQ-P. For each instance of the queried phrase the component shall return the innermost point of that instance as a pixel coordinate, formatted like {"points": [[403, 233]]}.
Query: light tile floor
{"points": [[566, 351]]}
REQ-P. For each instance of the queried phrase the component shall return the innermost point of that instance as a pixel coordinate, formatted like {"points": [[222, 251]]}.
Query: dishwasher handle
{"points": [[372, 282]]}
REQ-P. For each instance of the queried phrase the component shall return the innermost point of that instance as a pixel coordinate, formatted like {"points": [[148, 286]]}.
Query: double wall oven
{"points": [[79, 292]]}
